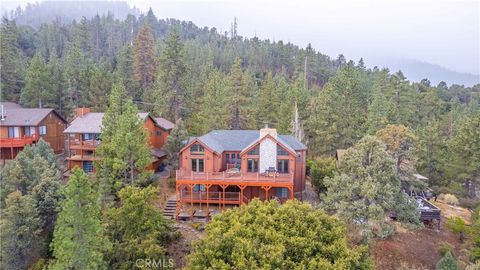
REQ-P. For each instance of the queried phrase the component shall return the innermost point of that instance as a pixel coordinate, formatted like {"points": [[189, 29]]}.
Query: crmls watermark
{"points": [[149, 263]]}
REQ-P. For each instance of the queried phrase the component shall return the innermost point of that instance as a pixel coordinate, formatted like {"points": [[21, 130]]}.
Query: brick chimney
{"points": [[270, 131], [79, 112]]}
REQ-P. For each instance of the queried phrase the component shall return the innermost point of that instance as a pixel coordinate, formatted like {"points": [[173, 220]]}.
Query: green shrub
{"points": [[386, 230], [444, 247], [447, 263], [318, 169], [456, 225], [450, 199]]}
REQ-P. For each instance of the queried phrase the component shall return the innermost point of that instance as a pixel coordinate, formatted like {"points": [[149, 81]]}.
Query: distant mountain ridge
{"points": [[47, 11], [416, 70]]}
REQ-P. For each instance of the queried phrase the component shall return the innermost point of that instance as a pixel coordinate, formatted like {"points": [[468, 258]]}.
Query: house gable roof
{"points": [[164, 123], [92, 122], [18, 116], [276, 140], [237, 140]]}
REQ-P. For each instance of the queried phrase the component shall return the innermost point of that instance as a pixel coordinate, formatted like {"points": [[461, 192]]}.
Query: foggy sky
{"points": [[446, 33]]}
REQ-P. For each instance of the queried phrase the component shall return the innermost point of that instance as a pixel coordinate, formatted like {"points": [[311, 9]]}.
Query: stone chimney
{"points": [[270, 131], [79, 112]]}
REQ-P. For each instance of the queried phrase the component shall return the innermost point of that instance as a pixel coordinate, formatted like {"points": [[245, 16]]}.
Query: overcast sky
{"points": [[440, 32], [446, 33]]}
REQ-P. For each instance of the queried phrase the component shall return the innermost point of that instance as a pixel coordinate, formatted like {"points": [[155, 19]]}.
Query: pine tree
{"points": [[125, 70], [239, 96], [137, 229], [401, 145], [11, 76], [268, 100], [213, 112], [79, 239], [170, 78], [20, 229], [38, 90], [175, 142], [338, 113], [464, 158], [366, 186], [62, 101], [100, 85], [25, 172], [47, 196], [447, 262], [144, 58], [124, 152]]}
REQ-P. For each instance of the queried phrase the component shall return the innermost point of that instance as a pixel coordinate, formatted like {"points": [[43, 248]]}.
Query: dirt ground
{"points": [[416, 249]]}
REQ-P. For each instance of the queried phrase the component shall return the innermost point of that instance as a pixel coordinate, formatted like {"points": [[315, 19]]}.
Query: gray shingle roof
{"points": [[88, 123], [237, 140], [164, 123], [92, 123], [18, 116], [10, 105]]}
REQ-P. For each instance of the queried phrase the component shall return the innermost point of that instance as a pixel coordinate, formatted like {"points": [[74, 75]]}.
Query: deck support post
{"points": [[241, 187], [207, 216], [266, 188], [191, 200], [290, 190], [224, 187]]}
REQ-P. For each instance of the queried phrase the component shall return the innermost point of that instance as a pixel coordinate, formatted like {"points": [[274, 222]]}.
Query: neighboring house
{"points": [[231, 167], [24, 126], [83, 137]]}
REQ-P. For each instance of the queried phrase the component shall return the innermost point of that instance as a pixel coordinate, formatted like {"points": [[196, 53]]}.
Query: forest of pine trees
{"points": [[213, 80]]}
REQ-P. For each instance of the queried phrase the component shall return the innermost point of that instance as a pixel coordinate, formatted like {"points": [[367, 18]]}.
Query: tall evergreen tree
{"points": [[175, 142], [11, 76], [137, 229], [20, 229], [38, 90], [144, 58], [464, 149], [338, 113], [239, 97], [366, 187], [126, 71], [170, 80], [214, 110], [79, 239], [124, 150], [268, 100]]}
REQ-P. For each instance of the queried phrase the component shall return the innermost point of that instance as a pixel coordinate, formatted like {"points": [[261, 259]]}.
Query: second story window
{"points": [[90, 136], [252, 165], [42, 130], [255, 151], [281, 151], [197, 149], [13, 132]]}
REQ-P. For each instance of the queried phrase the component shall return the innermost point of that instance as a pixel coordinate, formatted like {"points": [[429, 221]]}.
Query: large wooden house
{"points": [[25, 126], [231, 167], [83, 137]]}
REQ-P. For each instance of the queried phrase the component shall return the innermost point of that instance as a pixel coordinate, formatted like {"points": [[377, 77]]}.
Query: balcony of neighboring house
{"points": [[18, 141], [83, 142]]}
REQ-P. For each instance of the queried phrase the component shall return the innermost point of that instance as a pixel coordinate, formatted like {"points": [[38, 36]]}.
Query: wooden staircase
{"points": [[169, 210]]}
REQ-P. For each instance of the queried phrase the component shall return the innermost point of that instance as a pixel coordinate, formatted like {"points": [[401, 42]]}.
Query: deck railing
{"points": [[235, 177], [197, 196], [18, 142], [88, 144]]}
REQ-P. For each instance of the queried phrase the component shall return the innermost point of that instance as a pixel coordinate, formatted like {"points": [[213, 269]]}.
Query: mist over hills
{"points": [[66, 11]]}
